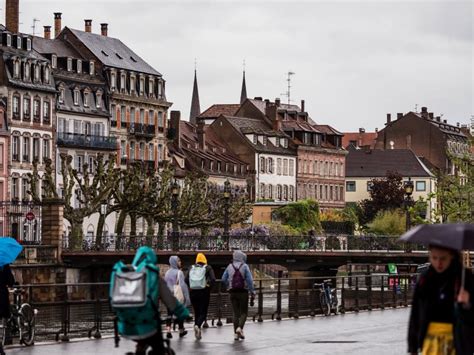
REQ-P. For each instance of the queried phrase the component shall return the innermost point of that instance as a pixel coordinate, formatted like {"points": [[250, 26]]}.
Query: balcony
{"points": [[86, 141], [142, 130]]}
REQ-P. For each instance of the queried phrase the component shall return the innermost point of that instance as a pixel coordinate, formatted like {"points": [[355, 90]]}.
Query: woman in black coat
{"points": [[6, 280], [442, 315]]}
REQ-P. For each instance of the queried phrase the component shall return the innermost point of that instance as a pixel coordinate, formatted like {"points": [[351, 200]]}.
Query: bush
{"points": [[302, 216], [388, 223]]}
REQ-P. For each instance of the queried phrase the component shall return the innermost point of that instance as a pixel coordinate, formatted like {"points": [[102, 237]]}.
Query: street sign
{"points": [[30, 216]]}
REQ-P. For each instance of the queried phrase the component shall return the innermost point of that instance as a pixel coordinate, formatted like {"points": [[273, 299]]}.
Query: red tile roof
{"points": [[362, 139], [220, 109]]}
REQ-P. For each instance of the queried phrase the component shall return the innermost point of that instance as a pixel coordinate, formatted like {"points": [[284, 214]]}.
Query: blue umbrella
{"points": [[9, 250]]}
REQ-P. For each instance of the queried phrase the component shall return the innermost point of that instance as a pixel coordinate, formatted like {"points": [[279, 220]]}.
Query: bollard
{"points": [[313, 300], [356, 306], [219, 305], [394, 294], [278, 310], [296, 315], [66, 320], [369, 289], [382, 294], [260, 302], [343, 296], [406, 292]]}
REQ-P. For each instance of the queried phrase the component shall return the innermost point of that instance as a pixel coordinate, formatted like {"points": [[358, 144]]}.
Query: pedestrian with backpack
{"points": [[200, 279], [135, 291], [175, 280], [239, 281]]}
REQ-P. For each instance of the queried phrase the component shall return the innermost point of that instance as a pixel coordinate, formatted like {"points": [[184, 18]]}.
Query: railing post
{"points": [[356, 306], [343, 296], [394, 293], [260, 302], [296, 315], [405, 287], [382, 294], [368, 281], [313, 300], [66, 314], [278, 311], [219, 305]]}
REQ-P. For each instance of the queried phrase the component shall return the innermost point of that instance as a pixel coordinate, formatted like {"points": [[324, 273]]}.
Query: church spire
{"points": [[195, 106], [243, 93]]}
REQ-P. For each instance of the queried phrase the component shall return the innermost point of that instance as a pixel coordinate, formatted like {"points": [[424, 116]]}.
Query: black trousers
{"points": [[200, 301], [240, 307], [169, 321], [155, 342]]}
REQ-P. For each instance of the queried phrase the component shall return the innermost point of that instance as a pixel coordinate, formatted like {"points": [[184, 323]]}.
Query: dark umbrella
{"points": [[457, 236]]}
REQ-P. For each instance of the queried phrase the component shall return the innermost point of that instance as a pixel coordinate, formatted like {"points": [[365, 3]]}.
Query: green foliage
{"points": [[388, 223], [278, 229], [301, 215]]}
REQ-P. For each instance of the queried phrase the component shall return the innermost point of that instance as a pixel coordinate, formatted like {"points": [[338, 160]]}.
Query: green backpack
{"points": [[134, 295]]}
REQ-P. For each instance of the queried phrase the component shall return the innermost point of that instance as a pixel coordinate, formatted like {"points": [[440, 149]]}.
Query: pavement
{"points": [[364, 333]]}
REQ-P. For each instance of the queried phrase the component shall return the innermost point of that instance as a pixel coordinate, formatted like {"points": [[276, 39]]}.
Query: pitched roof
{"points": [[220, 109], [54, 46], [113, 52], [362, 139], [299, 125], [376, 163], [327, 129]]}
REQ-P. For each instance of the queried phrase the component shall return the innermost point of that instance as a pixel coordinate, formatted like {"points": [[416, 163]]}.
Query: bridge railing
{"points": [[250, 243], [77, 310]]}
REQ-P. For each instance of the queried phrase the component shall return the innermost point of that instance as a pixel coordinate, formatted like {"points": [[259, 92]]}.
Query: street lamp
{"points": [[174, 207], [226, 211], [408, 192]]}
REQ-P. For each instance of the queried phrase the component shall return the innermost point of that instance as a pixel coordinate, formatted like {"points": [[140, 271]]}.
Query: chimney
{"points": [[174, 125], [445, 121], [201, 135], [277, 124], [458, 124], [104, 28], [277, 102], [57, 24], [88, 26], [389, 118], [424, 112], [361, 130], [431, 115], [258, 98], [438, 118], [376, 130], [302, 106], [399, 115], [12, 15], [47, 32], [271, 112]]}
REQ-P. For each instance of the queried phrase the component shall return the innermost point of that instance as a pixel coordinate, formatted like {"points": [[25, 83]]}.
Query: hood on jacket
{"points": [[174, 261], [239, 256], [201, 258], [144, 255]]}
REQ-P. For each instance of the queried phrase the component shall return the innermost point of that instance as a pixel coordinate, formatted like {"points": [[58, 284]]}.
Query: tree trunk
{"points": [[100, 229], [133, 224], [120, 222], [150, 231], [75, 240]]}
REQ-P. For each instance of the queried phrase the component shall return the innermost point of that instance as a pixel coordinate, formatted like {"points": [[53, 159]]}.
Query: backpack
{"points": [[134, 295], [197, 277], [238, 282]]}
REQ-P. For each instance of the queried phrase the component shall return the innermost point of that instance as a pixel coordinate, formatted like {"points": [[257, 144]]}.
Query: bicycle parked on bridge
{"points": [[21, 322], [327, 297]]}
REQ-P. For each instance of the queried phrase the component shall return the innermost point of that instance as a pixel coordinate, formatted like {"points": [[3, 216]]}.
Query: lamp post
{"points": [[408, 192], [174, 207], [226, 212]]}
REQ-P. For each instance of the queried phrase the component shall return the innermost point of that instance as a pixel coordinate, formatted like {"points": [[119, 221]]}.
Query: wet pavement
{"points": [[375, 332]]}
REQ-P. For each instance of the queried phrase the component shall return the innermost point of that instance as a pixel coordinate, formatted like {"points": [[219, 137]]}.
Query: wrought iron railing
{"points": [[141, 129], [86, 141]]}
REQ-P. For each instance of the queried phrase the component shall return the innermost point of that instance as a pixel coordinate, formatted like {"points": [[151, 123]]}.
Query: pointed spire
{"points": [[195, 106], [243, 93]]}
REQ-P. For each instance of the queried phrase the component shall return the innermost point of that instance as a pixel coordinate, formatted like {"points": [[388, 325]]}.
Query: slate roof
{"points": [[327, 129], [376, 163], [113, 53], [55, 46], [220, 109], [299, 125]]}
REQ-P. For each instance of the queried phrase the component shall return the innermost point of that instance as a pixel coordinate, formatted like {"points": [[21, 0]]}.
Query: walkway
{"points": [[376, 332]]}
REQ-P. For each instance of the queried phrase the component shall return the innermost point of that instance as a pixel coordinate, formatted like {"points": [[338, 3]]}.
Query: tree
{"points": [[391, 222], [385, 194], [301, 215]]}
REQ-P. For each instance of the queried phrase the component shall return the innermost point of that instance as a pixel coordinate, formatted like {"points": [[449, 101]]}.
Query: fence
{"points": [[68, 310], [21, 220]]}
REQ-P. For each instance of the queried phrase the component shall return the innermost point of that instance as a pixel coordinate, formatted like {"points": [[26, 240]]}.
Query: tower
{"points": [[195, 106], [243, 93]]}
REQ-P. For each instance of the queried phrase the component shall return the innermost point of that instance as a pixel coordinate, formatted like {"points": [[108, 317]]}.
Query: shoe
{"points": [[240, 333], [205, 325], [236, 336], [182, 333], [197, 332], [169, 335]]}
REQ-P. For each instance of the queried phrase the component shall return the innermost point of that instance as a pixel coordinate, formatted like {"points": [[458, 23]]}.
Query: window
{"points": [[132, 84], [27, 70], [36, 109], [341, 193], [151, 117], [132, 114], [79, 163], [277, 142], [160, 152], [45, 148], [26, 107], [16, 106], [350, 186], [15, 193], [262, 165], [285, 142], [150, 152], [292, 193], [285, 166], [142, 116], [330, 193], [160, 119], [270, 166], [36, 149], [420, 186], [150, 86], [122, 83], [76, 97], [79, 66], [16, 68], [61, 95], [69, 64], [77, 127], [46, 110], [142, 85], [16, 148], [219, 166], [292, 167], [37, 72], [122, 116], [91, 68], [262, 190], [98, 100], [1, 161], [90, 165], [279, 192], [113, 111], [254, 139], [26, 149], [54, 61], [9, 40], [141, 151], [46, 75], [86, 99], [278, 166], [123, 151], [18, 42], [369, 185], [265, 140], [132, 151], [112, 81], [270, 191], [285, 192]]}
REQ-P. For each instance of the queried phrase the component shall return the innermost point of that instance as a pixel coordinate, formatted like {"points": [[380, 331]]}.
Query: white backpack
{"points": [[197, 277]]}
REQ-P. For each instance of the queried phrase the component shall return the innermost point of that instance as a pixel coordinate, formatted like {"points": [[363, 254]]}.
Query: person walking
{"points": [[200, 279], [442, 314], [238, 280], [6, 280], [175, 280]]}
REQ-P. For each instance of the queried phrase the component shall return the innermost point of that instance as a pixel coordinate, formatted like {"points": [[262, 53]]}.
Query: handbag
{"points": [[178, 291]]}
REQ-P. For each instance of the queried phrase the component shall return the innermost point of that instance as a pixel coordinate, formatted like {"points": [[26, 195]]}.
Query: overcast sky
{"points": [[354, 61]]}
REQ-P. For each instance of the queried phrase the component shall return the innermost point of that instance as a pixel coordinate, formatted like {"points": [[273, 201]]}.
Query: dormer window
{"points": [[98, 100], [76, 96], [61, 95], [254, 139], [54, 61], [86, 99], [27, 71], [142, 86], [16, 68], [150, 86], [264, 140], [79, 66], [122, 82], [18, 42], [160, 89], [28, 44], [69, 64], [9, 40], [37, 72], [46, 75], [132, 84], [277, 142], [91, 68], [113, 81]]}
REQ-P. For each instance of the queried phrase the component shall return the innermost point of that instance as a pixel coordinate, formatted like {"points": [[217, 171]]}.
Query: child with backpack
{"points": [[135, 291], [200, 279], [238, 280], [175, 280]]}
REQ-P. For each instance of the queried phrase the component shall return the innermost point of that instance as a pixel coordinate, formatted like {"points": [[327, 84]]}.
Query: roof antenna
{"points": [[34, 25], [288, 92], [416, 108]]}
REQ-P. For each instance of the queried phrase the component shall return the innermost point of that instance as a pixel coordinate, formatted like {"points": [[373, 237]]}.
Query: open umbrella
{"points": [[9, 250], [457, 236]]}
